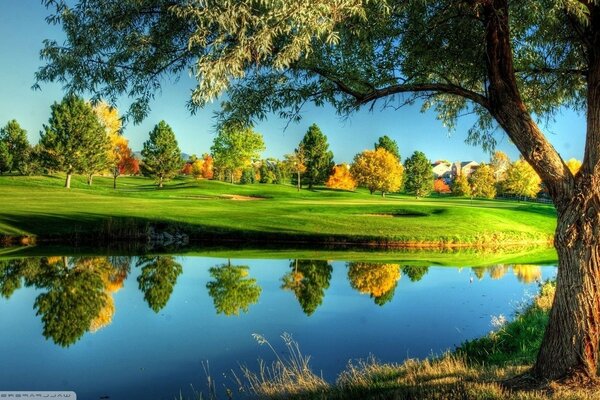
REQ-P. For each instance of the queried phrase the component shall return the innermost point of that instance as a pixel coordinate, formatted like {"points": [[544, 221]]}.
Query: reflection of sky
{"points": [[143, 354]]}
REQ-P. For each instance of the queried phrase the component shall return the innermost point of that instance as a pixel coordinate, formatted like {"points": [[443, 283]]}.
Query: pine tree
{"points": [[161, 157], [418, 175], [317, 157]]}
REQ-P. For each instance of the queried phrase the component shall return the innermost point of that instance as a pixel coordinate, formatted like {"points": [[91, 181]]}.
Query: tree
{"points": [[296, 163], [120, 157], [231, 290], [500, 162], [72, 137], [234, 148], [267, 175], [418, 175], [161, 157], [574, 165], [483, 182], [460, 186], [440, 186], [308, 280], [318, 160], [6, 159], [157, 279], [389, 144], [207, 166], [377, 170], [376, 280], [341, 178], [414, 272], [522, 180], [500, 60], [15, 139]]}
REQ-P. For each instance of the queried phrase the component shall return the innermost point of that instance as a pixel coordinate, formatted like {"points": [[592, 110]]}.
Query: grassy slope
{"points": [[40, 206]]}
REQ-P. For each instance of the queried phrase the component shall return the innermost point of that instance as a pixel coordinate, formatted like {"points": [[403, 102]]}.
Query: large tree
{"points": [[161, 157], [15, 139], [318, 159], [234, 148], [503, 60], [72, 137], [388, 144], [377, 170], [418, 174]]}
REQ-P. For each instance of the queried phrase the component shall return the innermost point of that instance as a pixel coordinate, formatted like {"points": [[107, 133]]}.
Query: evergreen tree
{"points": [[418, 175], [389, 144], [317, 157], [161, 157], [73, 135], [15, 139], [6, 159]]}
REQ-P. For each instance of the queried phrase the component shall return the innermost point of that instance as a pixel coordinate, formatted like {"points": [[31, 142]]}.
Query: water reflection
{"points": [[231, 290], [77, 293], [308, 280]]}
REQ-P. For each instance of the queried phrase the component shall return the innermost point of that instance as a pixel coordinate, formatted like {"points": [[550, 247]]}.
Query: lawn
{"points": [[42, 208]]}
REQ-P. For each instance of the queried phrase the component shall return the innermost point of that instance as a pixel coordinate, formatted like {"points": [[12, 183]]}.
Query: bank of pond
{"points": [[146, 326]]}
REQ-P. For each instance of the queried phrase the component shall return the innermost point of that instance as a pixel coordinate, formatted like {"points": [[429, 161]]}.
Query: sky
{"points": [[23, 29]]}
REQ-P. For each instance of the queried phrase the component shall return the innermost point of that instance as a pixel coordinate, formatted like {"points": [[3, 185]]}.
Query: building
{"points": [[465, 168]]}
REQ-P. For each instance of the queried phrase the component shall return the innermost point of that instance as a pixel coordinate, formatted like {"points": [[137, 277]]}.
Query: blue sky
{"points": [[23, 28]]}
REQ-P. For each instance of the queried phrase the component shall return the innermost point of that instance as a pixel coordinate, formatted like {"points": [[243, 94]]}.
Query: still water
{"points": [[145, 327]]}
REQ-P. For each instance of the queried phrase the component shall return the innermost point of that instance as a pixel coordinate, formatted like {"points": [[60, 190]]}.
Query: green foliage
{"points": [[460, 186], [318, 160], [308, 280], [248, 176], [415, 272], [267, 175], [157, 279], [418, 174], [73, 137], [234, 148], [161, 157], [6, 159], [483, 182], [388, 144], [15, 139], [231, 290], [521, 179]]}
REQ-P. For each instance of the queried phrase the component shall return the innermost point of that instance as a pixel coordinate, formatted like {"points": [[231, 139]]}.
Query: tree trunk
{"points": [[570, 347], [68, 181], [298, 183], [115, 181], [160, 182], [382, 193], [90, 179]]}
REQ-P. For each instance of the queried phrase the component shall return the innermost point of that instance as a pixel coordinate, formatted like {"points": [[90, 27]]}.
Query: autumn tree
{"points": [[296, 163], [234, 148], [389, 144], [483, 182], [207, 166], [308, 280], [461, 186], [522, 180], [161, 157], [232, 290], [341, 178], [418, 174], [502, 61], [376, 280], [14, 138], [574, 165], [72, 138], [120, 156], [440, 186], [377, 170], [500, 163], [318, 160]]}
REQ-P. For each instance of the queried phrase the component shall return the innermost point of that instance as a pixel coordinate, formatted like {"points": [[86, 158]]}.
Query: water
{"points": [[125, 328]]}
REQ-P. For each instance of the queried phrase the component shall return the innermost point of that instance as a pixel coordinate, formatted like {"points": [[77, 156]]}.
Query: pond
{"points": [[147, 327]]}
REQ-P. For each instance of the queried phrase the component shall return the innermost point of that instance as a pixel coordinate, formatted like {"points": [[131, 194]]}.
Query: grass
{"points": [[474, 371], [40, 207]]}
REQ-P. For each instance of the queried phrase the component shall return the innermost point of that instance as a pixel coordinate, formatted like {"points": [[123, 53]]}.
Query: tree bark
{"points": [[68, 181], [90, 179], [160, 182], [114, 181]]}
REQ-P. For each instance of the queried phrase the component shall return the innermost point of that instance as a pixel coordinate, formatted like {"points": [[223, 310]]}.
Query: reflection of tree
{"points": [[157, 279], [308, 280], [479, 272], [414, 272], [232, 291], [377, 280], [527, 273], [497, 271], [12, 273], [74, 297]]}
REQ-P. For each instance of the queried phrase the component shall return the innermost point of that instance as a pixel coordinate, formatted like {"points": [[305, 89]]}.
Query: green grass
{"points": [[41, 207]]}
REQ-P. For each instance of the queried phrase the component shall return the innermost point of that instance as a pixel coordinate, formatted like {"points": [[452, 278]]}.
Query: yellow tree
{"points": [[574, 165], [341, 178], [377, 170], [528, 273], [296, 162], [500, 162], [482, 182], [377, 280], [197, 168], [522, 180]]}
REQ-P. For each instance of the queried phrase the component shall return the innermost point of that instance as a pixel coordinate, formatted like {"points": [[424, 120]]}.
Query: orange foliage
{"points": [[187, 169], [207, 166], [105, 315], [440, 186], [341, 178]]}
